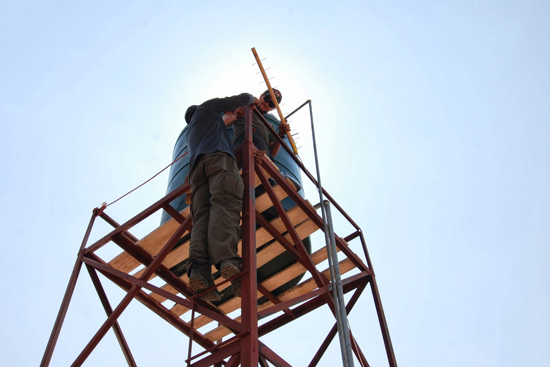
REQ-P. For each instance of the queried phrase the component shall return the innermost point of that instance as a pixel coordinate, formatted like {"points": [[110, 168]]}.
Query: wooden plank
{"points": [[300, 289], [296, 216], [126, 263], [269, 253], [263, 202], [274, 249], [294, 270], [270, 284], [154, 241]]}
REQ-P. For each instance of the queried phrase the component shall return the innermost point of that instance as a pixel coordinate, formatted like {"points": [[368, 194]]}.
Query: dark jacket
{"points": [[207, 132]]}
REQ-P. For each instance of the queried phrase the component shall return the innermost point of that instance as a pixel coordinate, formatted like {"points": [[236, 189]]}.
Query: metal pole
{"points": [[150, 269], [249, 348], [108, 309], [337, 290], [347, 357], [67, 297], [296, 110]]}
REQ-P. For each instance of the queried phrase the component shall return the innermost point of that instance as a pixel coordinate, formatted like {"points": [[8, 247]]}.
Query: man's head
{"points": [[266, 103]]}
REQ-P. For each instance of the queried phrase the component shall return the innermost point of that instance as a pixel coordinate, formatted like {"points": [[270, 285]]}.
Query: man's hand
{"points": [[229, 118], [284, 129], [240, 112]]}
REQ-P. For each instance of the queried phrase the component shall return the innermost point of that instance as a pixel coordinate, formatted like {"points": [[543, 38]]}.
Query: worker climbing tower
{"points": [[229, 332]]}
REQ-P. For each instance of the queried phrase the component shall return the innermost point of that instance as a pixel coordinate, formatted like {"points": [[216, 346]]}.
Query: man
{"points": [[217, 195], [261, 136]]}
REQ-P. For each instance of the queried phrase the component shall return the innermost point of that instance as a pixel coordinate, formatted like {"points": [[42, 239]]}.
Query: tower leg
{"points": [[249, 313], [383, 324], [67, 297], [132, 293]]}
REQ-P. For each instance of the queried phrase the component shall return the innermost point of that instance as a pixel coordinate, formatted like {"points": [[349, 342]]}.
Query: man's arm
{"points": [[230, 117], [229, 103], [275, 146]]}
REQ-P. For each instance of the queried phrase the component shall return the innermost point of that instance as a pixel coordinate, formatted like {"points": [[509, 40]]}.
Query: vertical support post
{"points": [[383, 324], [192, 331], [159, 258], [67, 297], [379, 309], [340, 310], [365, 251], [338, 294], [249, 314]]}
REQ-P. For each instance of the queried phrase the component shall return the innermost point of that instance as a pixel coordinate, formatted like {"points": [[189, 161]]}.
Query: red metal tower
{"points": [[168, 245]]}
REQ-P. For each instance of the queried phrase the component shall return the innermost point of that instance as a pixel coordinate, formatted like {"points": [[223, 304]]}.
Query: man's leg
{"points": [[199, 265], [226, 190], [200, 212]]}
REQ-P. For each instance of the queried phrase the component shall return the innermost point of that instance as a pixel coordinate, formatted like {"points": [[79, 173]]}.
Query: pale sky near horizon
{"points": [[432, 123]]}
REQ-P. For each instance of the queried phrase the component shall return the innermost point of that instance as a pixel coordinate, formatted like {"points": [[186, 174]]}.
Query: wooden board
{"points": [[272, 283], [300, 289], [297, 217], [126, 263], [269, 253], [155, 240]]}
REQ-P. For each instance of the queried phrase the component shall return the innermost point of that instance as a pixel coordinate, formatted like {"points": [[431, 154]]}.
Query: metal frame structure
{"points": [[244, 346]]}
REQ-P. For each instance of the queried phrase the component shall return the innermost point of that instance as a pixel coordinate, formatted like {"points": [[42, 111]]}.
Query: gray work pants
{"points": [[216, 204]]}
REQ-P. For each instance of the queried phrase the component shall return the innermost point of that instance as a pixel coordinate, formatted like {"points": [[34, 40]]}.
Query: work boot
{"points": [[229, 268], [200, 279]]}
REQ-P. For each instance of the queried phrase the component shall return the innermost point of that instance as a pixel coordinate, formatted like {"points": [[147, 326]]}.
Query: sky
{"points": [[432, 125]]}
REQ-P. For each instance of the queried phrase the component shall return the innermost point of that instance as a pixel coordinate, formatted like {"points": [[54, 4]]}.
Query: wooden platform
{"points": [[270, 249]]}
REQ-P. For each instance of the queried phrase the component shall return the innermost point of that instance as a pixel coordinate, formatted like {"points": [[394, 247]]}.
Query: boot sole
{"points": [[211, 296], [198, 285], [229, 272]]}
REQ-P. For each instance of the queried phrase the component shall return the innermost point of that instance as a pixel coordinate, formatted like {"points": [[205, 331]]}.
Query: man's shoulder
{"points": [[271, 118], [227, 103]]}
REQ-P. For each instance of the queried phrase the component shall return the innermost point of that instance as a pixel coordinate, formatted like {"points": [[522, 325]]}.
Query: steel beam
{"points": [[249, 315], [206, 311], [305, 260], [138, 218], [272, 356], [132, 293], [383, 325], [157, 308], [309, 210], [220, 354], [332, 332], [349, 284], [68, 295], [108, 310]]}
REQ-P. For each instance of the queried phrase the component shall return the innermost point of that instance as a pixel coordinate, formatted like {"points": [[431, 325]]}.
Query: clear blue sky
{"points": [[433, 127]]}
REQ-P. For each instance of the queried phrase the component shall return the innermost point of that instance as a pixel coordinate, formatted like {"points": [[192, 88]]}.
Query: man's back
{"points": [[207, 132]]}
